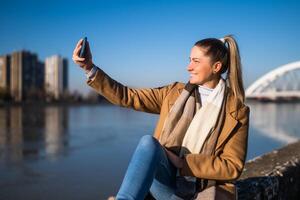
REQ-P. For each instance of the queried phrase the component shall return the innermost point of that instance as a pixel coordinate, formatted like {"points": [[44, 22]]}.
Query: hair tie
{"points": [[222, 40]]}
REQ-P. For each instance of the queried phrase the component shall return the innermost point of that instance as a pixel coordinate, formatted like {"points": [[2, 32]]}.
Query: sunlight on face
{"points": [[200, 68]]}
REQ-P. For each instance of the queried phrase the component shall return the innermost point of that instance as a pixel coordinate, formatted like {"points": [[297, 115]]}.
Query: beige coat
{"points": [[228, 161]]}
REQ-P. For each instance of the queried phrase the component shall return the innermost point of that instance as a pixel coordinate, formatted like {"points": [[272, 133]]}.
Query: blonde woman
{"points": [[199, 145]]}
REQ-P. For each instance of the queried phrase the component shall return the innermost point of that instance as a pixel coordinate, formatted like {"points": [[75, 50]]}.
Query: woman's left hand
{"points": [[177, 161]]}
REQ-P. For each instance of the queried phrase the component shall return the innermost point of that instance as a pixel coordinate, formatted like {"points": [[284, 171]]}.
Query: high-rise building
{"points": [[25, 75], [40, 76], [4, 73], [65, 75], [56, 76]]}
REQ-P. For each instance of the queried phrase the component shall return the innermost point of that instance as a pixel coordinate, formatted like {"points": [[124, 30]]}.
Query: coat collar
{"points": [[232, 103]]}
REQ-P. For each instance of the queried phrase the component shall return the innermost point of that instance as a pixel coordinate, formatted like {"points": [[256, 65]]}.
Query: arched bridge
{"points": [[280, 83]]}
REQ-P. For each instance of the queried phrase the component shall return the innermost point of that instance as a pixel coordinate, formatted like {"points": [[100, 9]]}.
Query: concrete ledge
{"points": [[275, 175]]}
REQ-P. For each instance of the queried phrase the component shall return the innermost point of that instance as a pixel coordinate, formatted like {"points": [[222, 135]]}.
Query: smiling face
{"points": [[202, 72]]}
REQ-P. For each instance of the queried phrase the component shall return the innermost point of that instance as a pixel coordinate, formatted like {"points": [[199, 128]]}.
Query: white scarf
{"points": [[202, 125], [204, 120]]}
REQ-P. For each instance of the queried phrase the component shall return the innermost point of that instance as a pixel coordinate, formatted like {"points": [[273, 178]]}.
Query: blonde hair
{"points": [[227, 52], [234, 73]]}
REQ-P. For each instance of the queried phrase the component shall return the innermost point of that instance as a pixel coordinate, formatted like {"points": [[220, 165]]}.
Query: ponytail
{"points": [[234, 74]]}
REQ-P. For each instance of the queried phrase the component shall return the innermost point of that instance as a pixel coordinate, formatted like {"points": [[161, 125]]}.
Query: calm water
{"points": [[82, 152]]}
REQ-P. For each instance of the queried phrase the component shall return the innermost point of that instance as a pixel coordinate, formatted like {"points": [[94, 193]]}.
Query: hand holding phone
{"points": [[83, 49], [82, 54]]}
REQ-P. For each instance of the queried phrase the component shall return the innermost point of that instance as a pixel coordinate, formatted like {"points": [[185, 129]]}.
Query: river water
{"points": [[82, 152]]}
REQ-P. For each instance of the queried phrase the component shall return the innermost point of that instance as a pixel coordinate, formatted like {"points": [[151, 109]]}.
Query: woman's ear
{"points": [[217, 66]]}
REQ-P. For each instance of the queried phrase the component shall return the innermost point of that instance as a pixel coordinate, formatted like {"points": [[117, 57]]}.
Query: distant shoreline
{"points": [[105, 102], [59, 103]]}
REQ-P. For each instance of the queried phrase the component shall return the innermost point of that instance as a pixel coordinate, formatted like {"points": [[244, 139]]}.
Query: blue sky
{"points": [[147, 43]]}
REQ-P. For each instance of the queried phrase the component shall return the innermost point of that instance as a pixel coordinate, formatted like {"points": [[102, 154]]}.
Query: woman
{"points": [[200, 142]]}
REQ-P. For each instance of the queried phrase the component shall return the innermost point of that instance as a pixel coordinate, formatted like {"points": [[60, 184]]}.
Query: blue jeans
{"points": [[148, 170]]}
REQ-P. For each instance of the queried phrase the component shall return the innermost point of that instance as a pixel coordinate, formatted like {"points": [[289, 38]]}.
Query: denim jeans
{"points": [[148, 170]]}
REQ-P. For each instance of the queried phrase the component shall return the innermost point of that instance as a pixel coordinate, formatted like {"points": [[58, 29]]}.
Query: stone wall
{"points": [[275, 175]]}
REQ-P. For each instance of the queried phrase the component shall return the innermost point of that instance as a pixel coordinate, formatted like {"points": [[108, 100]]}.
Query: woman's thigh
{"points": [[163, 185]]}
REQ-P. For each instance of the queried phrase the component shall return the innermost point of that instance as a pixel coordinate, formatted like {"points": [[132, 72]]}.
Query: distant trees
{"points": [[4, 94], [39, 95]]}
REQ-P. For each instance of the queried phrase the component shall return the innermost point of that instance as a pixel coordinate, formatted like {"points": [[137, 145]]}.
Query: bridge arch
{"points": [[256, 89]]}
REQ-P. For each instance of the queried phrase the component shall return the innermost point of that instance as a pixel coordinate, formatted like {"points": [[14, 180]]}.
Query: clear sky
{"points": [[147, 43]]}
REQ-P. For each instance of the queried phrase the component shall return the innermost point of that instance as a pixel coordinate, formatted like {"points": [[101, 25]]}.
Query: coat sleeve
{"points": [[146, 100], [229, 164]]}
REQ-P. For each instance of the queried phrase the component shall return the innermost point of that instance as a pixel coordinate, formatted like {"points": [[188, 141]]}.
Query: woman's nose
{"points": [[189, 67]]}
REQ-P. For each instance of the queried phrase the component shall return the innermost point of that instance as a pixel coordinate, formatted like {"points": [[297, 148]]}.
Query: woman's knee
{"points": [[148, 141]]}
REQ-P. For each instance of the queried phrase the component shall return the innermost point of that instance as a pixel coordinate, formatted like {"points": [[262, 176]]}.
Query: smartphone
{"points": [[83, 50]]}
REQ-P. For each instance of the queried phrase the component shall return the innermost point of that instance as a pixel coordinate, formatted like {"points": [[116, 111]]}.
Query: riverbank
{"points": [[275, 175]]}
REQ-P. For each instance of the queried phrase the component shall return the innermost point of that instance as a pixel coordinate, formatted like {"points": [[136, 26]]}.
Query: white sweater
{"points": [[204, 93]]}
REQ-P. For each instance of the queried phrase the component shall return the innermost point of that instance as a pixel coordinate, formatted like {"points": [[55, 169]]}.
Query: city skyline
{"points": [[25, 77], [151, 40]]}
